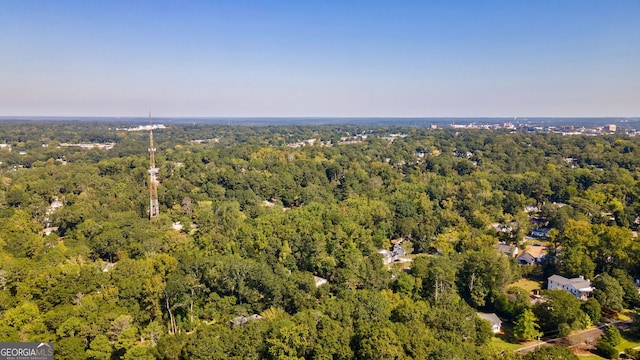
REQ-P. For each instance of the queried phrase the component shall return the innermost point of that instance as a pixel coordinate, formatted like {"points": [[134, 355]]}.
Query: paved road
{"points": [[588, 336]]}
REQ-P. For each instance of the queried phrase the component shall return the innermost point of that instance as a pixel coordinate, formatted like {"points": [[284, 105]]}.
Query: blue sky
{"points": [[320, 58]]}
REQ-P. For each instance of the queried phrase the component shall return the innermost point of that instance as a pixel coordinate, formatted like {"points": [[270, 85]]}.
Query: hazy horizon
{"points": [[627, 122], [274, 59]]}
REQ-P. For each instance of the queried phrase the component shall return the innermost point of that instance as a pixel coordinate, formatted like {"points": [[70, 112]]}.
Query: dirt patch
{"points": [[583, 349]]}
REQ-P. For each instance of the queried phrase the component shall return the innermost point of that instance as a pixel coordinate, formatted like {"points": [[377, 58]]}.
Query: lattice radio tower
{"points": [[154, 209]]}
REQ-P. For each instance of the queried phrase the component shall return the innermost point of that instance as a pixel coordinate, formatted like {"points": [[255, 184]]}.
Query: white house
{"points": [[493, 319], [319, 281], [579, 287]]}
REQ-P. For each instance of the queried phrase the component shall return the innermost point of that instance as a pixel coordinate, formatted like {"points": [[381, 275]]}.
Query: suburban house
{"points": [[493, 319], [243, 320], [526, 259], [395, 255], [508, 250], [541, 232], [532, 255], [319, 281], [579, 287], [538, 222], [47, 231], [502, 228]]}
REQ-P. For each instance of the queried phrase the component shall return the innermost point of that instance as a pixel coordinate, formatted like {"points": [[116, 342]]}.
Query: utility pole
{"points": [[154, 209]]}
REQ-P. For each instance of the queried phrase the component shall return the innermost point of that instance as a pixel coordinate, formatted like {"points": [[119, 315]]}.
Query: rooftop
{"points": [[536, 251], [490, 317], [579, 283]]}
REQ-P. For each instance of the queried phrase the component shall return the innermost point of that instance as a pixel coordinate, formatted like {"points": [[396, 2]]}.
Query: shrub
{"points": [[607, 350]]}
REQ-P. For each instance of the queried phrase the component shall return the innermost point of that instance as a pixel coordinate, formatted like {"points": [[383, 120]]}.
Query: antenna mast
{"points": [[154, 208]]}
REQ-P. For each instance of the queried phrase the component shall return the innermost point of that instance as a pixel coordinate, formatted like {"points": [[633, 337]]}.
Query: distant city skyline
{"points": [[320, 59]]}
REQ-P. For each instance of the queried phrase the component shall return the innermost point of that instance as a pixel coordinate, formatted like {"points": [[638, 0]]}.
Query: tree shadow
{"points": [[506, 334]]}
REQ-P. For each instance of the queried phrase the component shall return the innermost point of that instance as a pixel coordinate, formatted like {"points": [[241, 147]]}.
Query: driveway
{"points": [[589, 336]]}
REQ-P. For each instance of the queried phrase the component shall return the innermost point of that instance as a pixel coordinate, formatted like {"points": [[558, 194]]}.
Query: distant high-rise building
{"points": [[154, 208], [610, 128]]}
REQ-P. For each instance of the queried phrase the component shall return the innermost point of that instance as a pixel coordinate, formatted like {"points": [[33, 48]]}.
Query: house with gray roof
{"points": [[243, 320], [540, 233], [493, 319], [508, 250], [579, 287], [532, 255]]}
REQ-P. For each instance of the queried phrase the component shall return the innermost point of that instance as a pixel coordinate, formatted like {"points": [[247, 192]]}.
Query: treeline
{"points": [[259, 219]]}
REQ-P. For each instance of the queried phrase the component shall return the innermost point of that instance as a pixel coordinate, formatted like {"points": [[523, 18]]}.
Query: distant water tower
{"points": [[154, 208]]}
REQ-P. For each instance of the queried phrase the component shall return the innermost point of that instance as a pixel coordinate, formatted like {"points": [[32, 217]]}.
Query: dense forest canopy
{"points": [[251, 218]]}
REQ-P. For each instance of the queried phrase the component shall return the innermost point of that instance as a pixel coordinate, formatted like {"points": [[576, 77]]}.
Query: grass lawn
{"points": [[526, 284], [590, 357], [498, 343], [624, 316], [629, 340]]}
